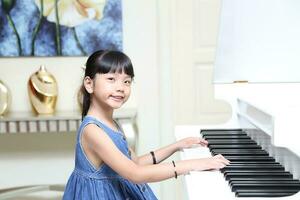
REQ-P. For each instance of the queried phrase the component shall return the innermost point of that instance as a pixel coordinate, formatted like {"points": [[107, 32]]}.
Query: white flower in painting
{"points": [[72, 12]]}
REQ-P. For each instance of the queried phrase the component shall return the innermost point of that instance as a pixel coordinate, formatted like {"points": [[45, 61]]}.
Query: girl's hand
{"points": [[214, 163], [191, 142]]}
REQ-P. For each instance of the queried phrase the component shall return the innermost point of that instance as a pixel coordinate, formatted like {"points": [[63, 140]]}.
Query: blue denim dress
{"points": [[88, 183]]}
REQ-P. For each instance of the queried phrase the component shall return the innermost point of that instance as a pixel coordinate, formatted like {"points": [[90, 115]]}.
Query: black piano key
{"points": [[222, 131], [239, 150], [262, 186], [241, 153], [254, 151], [259, 179], [254, 190], [224, 137], [276, 164], [249, 158], [229, 130], [215, 133], [230, 175], [265, 190], [230, 142], [263, 181], [223, 134], [252, 167], [275, 190], [264, 194], [253, 162], [235, 146], [254, 171]]}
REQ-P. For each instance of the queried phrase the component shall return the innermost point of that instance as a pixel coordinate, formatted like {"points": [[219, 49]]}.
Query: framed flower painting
{"points": [[59, 27]]}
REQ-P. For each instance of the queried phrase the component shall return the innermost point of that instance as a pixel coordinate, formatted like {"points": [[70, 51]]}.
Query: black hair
{"points": [[102, 62]]}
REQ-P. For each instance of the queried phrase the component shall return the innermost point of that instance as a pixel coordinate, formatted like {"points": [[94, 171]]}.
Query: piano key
{"points": [[223, 134], [239, 150], [259, 179], [254, 165], [224, 137], [263, 186], [229, 139], [235, 146], [241, 153], [263, 181], [249, 158], [265, 194], [253, 162], [257, 172], [249, 167], [221, 151], [230, 142], [225, 131], [254, 171], [231, 175], [214, 133], [275, 190]]}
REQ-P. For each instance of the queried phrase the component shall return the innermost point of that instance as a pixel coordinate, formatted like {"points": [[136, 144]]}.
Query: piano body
{"points": [[256, 73]]}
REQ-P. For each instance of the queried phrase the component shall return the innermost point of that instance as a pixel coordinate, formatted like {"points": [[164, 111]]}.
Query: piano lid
{"points": [[258, 42]]}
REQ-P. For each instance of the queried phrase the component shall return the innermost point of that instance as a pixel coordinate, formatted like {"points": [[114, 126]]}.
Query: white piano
{"points": [[257, 71]]}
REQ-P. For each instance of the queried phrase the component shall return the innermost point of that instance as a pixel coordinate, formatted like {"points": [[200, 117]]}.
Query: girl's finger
{"points": [[203, 142]]}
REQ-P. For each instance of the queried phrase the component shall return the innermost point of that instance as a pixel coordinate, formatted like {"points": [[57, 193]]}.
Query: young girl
{"points": [[105, 167]]}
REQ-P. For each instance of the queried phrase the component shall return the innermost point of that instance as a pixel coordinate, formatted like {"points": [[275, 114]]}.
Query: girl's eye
{"points": [[128, 82], [111, 78]]}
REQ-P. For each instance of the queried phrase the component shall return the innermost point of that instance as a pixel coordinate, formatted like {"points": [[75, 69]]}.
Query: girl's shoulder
{"points": [[92, 120]]}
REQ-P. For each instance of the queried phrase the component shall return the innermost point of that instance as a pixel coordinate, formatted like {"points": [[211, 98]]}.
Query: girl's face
{"points": [[111, 89]]}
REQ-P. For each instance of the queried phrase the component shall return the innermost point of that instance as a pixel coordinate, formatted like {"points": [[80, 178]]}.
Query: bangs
{"points": [[115, 62]]}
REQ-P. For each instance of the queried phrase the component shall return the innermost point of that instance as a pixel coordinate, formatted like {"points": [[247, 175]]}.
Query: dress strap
{"points": [[91, 120]]}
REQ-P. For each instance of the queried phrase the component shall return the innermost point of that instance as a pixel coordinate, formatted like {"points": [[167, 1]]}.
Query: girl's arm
{"points": [[103, 146], [165, 152]]}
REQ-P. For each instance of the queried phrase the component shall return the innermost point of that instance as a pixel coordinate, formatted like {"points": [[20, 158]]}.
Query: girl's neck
{"points": [[104, 114]]}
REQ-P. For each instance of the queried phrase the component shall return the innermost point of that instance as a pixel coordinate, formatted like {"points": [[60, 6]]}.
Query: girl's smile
{"points": [[117, 98]]}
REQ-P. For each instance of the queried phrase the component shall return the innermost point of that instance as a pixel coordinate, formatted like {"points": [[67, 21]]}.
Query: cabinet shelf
{"points": [[24, 122]]}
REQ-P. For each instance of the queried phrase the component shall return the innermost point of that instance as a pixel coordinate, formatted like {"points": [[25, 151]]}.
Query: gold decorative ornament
{"points": [[5, 98], [42, 90]]}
